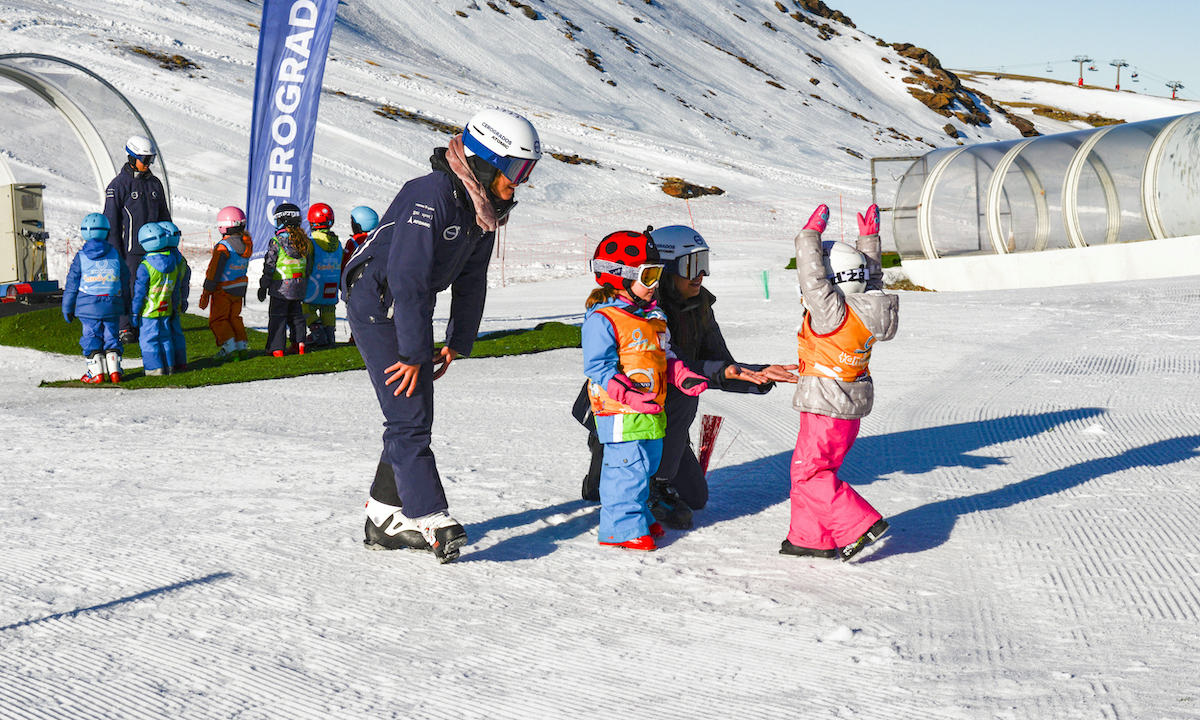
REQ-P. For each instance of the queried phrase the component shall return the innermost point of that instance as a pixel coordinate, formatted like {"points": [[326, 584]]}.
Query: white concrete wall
{"points": [[1172, 257]]}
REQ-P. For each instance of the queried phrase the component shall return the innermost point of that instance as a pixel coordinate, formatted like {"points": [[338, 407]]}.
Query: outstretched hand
{"points": [[771, 373], [442, 359]]}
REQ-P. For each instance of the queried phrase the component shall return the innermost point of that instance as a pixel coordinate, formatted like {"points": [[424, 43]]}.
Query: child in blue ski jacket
{"points": [[158, 296], [628, 363], [97, 292], [178, 345]]}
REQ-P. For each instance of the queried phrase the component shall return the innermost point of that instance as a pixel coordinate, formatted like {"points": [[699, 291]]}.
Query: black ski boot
{"points": [[789, 549], [396, 532], [443, 534], [872, 534], [667, 507]]}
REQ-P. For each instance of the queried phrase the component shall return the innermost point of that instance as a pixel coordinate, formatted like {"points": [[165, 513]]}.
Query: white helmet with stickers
{"points": [[682, 250], [845, 266], [139, 147], [505, 140]]}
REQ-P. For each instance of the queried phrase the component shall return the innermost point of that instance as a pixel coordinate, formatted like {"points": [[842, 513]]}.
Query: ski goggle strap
{"points": [[691, 265], [517, 170], [647, 274], [858, 273]]}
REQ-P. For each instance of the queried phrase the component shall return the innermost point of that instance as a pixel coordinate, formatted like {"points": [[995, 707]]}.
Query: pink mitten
{"points": [[688, 382], [869, 224], [818, 219], [624, 391]]}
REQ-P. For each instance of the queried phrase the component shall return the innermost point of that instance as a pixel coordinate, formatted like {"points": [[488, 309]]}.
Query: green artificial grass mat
{"points": [[45, 330]]}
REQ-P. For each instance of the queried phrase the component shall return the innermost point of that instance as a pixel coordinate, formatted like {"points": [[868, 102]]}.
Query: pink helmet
{"points": [[230, 217]]}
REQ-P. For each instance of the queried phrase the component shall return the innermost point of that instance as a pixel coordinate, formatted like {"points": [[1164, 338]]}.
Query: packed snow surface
{"points": [[197, 554]]}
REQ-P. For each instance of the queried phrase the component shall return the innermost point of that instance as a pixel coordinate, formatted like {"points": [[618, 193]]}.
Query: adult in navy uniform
{"points": [[438, 233], [133, 198]]}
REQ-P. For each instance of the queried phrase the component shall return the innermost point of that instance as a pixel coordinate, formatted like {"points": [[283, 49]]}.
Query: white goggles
{"points": [[647, 274]]}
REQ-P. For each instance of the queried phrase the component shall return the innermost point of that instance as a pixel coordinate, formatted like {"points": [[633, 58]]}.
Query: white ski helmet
{"points": [[682, 250], [845, 266], [140, 147], [505, 140]]}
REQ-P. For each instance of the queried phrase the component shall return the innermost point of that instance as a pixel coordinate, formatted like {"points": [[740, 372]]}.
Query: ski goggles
{"points": [[692, 265], [147, 160], [517, 170], [647, 274]]}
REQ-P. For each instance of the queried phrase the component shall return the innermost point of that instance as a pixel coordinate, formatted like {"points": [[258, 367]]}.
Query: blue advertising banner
{"points": [[292, 46]]}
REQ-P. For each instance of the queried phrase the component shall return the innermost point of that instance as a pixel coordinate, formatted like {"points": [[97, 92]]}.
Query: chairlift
{"points": [[1133, 76], [1049, 68], [1092, 68]]}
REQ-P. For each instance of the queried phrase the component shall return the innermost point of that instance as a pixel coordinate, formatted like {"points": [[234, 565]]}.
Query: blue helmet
{"points": [[172, 231], [153, 237], [363, 219], [94, 227]]}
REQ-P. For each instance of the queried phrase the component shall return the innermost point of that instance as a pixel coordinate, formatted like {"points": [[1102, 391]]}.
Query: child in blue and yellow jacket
{"points": [[159, 297], [628, 363], [97, 292]]}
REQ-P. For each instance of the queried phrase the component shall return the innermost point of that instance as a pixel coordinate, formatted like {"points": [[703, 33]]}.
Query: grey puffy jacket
{"points": [[878, 311]]}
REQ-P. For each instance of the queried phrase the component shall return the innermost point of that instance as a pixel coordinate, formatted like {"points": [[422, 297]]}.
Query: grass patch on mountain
{"points": [[45, 330]]}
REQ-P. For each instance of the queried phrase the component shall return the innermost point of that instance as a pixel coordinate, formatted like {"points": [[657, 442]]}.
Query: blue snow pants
{"points": [[158, 346], [407, 425], [99, 335], [178, 345], [625, 489]]}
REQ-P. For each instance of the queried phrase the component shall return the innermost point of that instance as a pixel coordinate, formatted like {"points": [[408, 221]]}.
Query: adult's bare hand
{"points": [[442, 359], [404, 374]]}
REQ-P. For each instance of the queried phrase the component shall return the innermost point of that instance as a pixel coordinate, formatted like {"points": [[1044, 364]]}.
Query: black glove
{"points": [[262, 294]]}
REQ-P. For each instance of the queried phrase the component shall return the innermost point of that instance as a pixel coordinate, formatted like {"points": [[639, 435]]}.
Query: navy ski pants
{"points": [[407, 426]]}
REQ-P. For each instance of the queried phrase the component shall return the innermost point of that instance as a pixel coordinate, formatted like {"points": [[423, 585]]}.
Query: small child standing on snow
{"points": [[847, 312], [286, 268], [628, 363], [157, 298], [179, 360], [97, 292], [320, 301], [225, 284]]}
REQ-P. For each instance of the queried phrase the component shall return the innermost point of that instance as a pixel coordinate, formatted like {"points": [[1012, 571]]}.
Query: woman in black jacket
{"points": [[679, 485]]}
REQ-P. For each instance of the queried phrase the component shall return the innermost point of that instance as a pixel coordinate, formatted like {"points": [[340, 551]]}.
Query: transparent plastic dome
{"points": [[1116, 184], [96, 113]]}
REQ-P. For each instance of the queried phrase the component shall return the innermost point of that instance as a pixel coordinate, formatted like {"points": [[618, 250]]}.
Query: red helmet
{"points": [[620, 257], [320, 216]]}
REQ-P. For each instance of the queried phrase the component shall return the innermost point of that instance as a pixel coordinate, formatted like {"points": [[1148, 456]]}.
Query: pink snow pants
{"points": [[826, 512]]}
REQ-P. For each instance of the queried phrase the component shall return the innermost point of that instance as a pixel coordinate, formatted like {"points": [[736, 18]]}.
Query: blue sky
{"points": [[1156, 37]]}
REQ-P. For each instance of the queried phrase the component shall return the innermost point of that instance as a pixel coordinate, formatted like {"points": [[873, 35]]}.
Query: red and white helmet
{"points": [[625, 256], [230, 218], [320, 216]]}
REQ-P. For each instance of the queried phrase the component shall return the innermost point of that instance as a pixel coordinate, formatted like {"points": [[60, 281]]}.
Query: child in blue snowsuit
{"points": [[158, 295], [97, 292], [628, 362], [179, 360]]}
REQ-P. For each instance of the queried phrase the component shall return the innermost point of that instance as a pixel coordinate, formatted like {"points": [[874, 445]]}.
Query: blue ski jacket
{"points": [[426, 242], [131, 200], [164, 262], [86, 294]]}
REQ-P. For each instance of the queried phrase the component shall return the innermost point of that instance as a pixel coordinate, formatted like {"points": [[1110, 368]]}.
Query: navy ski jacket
{"points": [[426, 242], [131, 200]]}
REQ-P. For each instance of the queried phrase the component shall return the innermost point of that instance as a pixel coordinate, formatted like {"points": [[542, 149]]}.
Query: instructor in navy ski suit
{"points": [[438, 233], [133, 198]]}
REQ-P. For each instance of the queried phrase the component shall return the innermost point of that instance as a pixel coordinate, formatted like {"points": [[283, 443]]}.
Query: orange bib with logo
{"points": [[842, 354], [641, 356]]}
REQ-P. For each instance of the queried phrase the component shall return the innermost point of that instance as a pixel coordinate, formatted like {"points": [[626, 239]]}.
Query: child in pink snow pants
{"points": [[846, 313]]}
